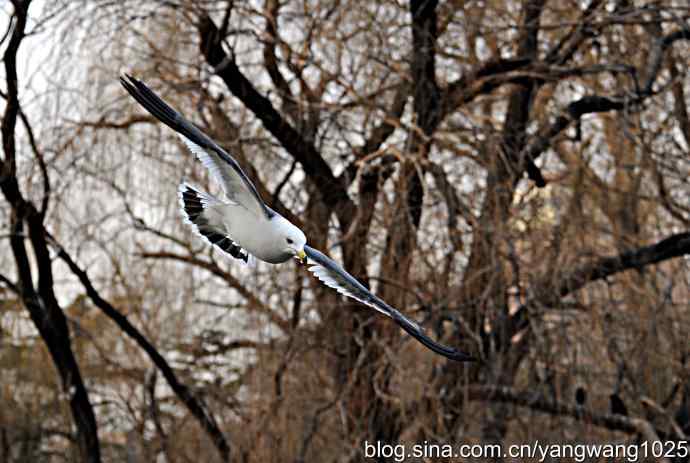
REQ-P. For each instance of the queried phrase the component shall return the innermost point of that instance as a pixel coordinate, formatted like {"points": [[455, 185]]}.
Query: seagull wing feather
{"points": [[223, 167], [334, 276]]}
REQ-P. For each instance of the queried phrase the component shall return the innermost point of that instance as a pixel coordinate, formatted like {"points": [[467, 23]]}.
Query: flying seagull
{"points": [[243, 225]]}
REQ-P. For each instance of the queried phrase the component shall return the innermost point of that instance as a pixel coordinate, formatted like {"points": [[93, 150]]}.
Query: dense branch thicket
{"points": [[512, 174]]}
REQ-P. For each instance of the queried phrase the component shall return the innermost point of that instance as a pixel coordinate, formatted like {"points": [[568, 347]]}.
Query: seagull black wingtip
{"points": [[445, 351], [463, 357], [127, 81]]}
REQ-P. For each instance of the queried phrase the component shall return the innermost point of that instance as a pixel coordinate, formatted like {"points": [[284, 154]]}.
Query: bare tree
{"points": [[26, 224], [513, 174]]}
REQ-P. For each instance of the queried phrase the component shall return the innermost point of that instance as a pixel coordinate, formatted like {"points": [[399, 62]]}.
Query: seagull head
{"points": [[295, 241]]}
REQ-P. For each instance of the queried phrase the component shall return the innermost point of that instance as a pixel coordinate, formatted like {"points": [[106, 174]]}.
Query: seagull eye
{"points": [[289, 241]]}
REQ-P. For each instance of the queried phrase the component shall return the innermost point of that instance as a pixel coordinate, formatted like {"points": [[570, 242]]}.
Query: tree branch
{"points": [[426, 92], [427, 109], [597, 104], [668, 248], [103, 123], [289, 104], [569, 44], [521, 99], [453, 203], [379, 134], [657, 55], [547, 294], [42, 305], [9, 120], [184, 393], [252, 300], [39, 156], [540, 404], [574, 111], [481, 81]]}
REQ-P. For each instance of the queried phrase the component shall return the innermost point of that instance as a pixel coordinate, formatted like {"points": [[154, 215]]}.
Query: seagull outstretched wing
{"points": [[239, 189], [333, 275], [235, 183]]}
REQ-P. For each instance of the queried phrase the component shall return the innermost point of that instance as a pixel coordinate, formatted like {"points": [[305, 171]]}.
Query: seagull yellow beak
{"points": [[302, 256]]}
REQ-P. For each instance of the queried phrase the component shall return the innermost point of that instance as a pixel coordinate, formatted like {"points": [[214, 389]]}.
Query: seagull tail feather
{"points": [[194, 204]]}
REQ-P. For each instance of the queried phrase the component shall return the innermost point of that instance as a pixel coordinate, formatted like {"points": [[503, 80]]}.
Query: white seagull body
{"points": [[245, 227]]}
